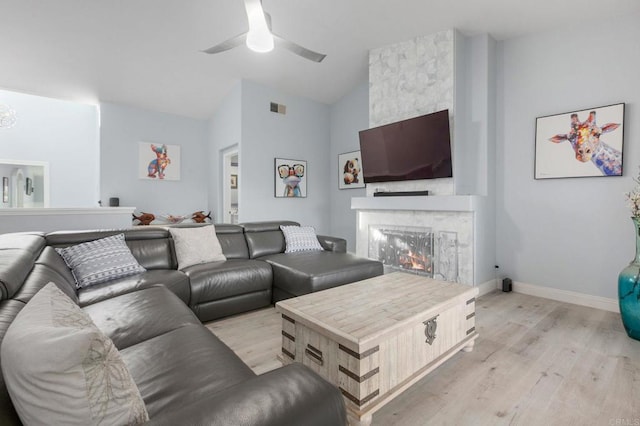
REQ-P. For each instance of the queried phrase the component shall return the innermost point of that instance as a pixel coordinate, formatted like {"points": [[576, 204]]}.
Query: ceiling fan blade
{"points": [[299, 50], [226, 45]]}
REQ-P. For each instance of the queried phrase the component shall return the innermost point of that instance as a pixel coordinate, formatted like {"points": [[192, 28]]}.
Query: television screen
{"points": [[417, 148]]}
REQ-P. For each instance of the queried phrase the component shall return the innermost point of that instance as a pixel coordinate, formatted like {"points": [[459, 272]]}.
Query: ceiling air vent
{"points": [[279, 108]]}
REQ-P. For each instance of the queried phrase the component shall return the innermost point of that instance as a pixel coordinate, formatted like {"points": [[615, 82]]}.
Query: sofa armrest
{"points": [[291, 395], [334, 244]]}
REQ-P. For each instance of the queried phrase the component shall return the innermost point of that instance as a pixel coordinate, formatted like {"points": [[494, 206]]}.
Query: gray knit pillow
{"points": [[60, 369], [300, 238], [100, 261]]}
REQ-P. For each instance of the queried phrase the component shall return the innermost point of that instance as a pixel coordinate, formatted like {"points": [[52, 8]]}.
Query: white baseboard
{"points": [[566, 296], [487, 287]]}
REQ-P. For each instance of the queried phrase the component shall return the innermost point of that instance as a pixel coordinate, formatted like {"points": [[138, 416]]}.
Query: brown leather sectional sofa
{"points": [[185, 374]]}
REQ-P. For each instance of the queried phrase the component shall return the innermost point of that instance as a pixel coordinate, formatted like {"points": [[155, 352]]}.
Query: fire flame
{"points": [[414, 261]]}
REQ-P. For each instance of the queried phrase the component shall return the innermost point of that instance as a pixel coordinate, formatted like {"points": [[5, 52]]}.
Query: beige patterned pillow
{"points": [[60, 369], [196, 245]]}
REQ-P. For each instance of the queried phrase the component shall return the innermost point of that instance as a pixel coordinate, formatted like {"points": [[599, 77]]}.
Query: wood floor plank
{"points": [[536, 362]]}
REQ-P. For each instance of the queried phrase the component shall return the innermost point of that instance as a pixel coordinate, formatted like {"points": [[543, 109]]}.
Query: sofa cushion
{"points": [[196, 245], [215, 309], [231, 237], [182, 365], [219, 280], [18, 252], [176, 281], [150, 245], [8, 311], [99, 261], [60, 369], [264, 238], [334, 244], [291, 395], [300, 238], [307, 272], [154, 253], [40, 276], [50, 258], [134, 317]]}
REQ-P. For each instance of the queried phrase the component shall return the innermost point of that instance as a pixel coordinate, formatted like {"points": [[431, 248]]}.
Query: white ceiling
{"points": [[146, 53]]}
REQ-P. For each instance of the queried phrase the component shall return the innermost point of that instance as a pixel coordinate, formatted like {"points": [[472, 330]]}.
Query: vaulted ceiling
{"points": [[147, 53]]}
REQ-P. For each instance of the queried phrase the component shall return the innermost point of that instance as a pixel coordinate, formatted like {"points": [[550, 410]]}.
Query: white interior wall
{"points": [[62, 133], [349, 115], [224, 132], [122, 129], [301, 134], [568, 234]]}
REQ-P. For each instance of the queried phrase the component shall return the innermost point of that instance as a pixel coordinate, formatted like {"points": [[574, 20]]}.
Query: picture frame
{"points": [[350, 170], [5, 189], [28, 186], [234, 181], [158, 161], [290, 177], [581, 143]]}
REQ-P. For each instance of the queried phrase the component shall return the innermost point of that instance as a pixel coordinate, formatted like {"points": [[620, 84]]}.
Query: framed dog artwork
{"points": [[158, 161], [350, 170]]}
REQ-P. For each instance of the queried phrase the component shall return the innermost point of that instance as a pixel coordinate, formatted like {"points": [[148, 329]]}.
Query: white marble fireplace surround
{"points": [[419, 76], [462, 214]]}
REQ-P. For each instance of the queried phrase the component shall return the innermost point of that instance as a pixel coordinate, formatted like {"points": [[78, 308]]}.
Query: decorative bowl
{"points": [[173, 218]]}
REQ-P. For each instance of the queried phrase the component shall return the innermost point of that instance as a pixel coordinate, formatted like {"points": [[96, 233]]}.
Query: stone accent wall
{"points": [[409, 79]]}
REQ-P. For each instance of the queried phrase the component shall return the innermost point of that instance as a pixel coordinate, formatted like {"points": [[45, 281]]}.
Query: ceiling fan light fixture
{"points": [[259, 37], [260, 41]]}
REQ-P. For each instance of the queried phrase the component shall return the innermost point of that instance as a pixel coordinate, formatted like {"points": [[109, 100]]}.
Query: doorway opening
{"points": [[230, 186]]}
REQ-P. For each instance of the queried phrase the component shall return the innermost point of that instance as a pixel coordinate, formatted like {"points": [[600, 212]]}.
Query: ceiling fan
{"points": [[260, 38]]}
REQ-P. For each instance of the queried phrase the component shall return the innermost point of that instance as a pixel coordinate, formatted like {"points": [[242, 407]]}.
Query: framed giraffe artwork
{"points": [[582, 143]]}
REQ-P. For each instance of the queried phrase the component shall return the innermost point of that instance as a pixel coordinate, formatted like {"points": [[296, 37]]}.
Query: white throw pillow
{"points": [[300, 238], [60, 369], [99, 261], [196, 245]]}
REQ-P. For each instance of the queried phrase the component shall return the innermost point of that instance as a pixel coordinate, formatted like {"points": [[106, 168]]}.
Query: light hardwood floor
{"points": [[536, 362]]}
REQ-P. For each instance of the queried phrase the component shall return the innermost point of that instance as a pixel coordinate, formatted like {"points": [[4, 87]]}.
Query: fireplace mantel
{"points": [[445, 203]]}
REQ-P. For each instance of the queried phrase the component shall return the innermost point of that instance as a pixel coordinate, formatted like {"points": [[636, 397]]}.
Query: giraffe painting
{"points": [[585, 139]]}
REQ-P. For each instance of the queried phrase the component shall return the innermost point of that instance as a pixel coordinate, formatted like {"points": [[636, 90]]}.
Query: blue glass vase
{"points": [[629, 290]]}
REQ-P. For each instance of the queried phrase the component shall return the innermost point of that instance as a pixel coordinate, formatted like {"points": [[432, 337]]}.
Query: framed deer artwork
{"points": [[582, 143]]}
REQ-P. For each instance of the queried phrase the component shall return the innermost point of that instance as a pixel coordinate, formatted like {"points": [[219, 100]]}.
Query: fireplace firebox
{"points": [[416, 250]]}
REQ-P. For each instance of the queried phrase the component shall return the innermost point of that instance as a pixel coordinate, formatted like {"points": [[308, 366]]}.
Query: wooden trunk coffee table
{"points": [[375, 338]]}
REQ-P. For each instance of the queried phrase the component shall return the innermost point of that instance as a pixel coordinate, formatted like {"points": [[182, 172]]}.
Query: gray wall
{"points": [[62, 133], [475, 117], [122, 128], [301, 134], [569, 234], [349, 115], [224, 131]]}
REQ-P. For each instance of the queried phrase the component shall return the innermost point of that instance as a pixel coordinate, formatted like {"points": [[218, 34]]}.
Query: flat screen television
{"points": [[417, 148]]}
